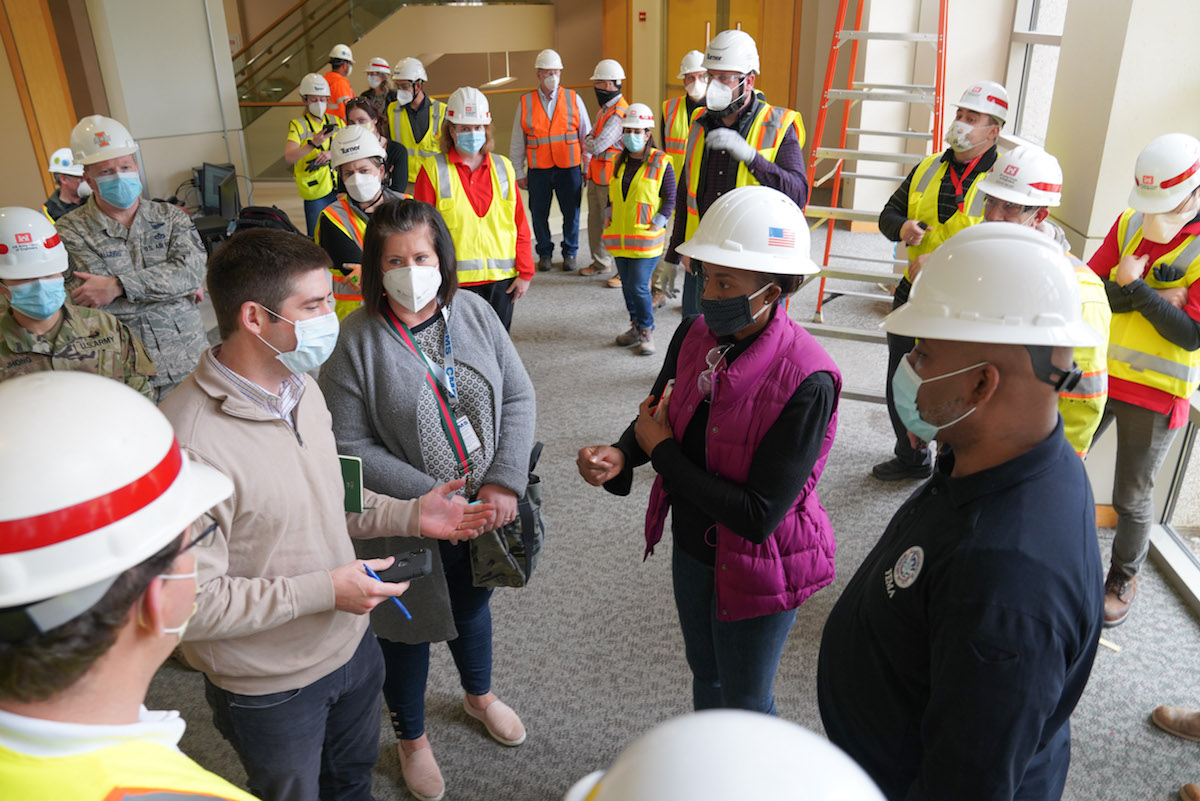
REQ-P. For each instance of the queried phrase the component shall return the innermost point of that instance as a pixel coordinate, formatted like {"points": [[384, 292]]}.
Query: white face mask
{"points": [[363, 186], [550, 84], [413, 287], [1162, 228], [404, 97], [697, 89], [317, 108], [374, 81], [957, 136], [182, 627], [84, 189], [719, 97]]}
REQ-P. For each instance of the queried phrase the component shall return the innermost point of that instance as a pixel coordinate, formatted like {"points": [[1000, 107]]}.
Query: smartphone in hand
{"points": [[409, 566]]}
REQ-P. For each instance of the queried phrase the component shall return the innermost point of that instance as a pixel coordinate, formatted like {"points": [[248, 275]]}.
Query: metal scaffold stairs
{"points": [[858, 92]]}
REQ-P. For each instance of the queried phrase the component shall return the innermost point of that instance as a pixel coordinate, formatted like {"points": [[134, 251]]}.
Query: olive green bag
{"points": [[506, 556]]}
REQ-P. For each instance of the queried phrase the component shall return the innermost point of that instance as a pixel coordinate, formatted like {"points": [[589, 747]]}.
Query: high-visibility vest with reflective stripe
{"points": [[766, 134], [600, 168], [1136, 351], [319, 182], [486, 246], [675, 125], [131, 771], [1082, 407], [923, 205], [551, 141], [347, 289], [402, 132], [629, 233]]}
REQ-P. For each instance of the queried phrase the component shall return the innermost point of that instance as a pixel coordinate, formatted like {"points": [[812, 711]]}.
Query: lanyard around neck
{"points": [[958, 182]]}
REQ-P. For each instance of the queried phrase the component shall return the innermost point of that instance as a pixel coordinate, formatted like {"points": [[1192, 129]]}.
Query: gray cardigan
{"points": [[372, 385]]}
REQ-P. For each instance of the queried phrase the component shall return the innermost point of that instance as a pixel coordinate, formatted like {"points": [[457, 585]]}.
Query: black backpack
{"points": [[264, 217]]}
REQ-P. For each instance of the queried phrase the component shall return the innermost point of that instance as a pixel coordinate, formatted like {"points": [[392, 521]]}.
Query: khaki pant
{"points": [[597, 197]]}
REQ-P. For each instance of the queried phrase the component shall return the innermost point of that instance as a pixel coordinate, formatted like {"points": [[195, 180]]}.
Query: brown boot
{"points": [[1119, 592], [629, 338], [1179, 721], [645, 342], [1190, 792]]}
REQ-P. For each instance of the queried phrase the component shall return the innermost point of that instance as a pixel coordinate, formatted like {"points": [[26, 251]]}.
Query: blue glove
{"points": [[730, 140]]}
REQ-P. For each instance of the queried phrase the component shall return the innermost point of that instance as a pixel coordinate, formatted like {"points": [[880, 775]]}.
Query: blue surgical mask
{"points": [[469, 142], [905, 385], [633, 142], [315, 338], [39, 299], [121, 190]]}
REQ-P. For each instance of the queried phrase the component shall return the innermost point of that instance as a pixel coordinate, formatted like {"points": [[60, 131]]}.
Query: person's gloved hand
{"points": [[731, 141]]}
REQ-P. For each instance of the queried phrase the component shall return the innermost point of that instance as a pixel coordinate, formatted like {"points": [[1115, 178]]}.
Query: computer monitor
{"points": [[211, 176], [230, 205]]}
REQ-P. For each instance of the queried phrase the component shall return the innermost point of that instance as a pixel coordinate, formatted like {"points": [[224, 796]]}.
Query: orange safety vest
{"points": [[600, 169], [629, 233], [347, 290], [551, 142]]}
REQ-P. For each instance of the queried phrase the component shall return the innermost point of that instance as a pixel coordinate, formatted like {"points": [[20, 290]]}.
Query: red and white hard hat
{"points": [[753, 228], [986, 96], [1027, 175], [77, 511], [98, 138], [638, 115], [1167, 171], [29, 245], [468, 106], [379, 65]]}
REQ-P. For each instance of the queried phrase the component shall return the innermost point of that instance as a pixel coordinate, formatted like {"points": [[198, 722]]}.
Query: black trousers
{"points": [[496, 294], [898, 348]]}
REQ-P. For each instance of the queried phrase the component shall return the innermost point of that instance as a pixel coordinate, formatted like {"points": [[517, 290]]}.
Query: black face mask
{"points": [[604, 95], [727, 316]]}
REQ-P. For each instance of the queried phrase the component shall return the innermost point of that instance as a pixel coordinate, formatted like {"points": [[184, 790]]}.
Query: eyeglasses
{"points": [[210, 527], [715, 359], [729, 80], [1005, 206]]}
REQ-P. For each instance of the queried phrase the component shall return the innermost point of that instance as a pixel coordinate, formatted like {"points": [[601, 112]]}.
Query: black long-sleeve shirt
{"points": [[895, 212], [781, 465]]}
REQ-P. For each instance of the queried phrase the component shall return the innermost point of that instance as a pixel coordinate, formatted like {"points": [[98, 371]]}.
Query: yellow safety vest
{"points": [[347, 289], [1136, 351], [629, 233], [319, 182], [127, 772], [486, 246], [766, 134], [675, 125], [1083, 406], [923, 205], [402, 132]]}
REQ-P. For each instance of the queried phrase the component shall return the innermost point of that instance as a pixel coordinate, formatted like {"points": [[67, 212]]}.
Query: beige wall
{"points": [[22, 184]]}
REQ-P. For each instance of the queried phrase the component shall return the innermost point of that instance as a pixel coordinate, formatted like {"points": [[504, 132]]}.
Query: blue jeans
{"points": [[565, 183], [635, 284], [313, 209], [733, 663], [691, 291], [319, 741], [408, 665]]}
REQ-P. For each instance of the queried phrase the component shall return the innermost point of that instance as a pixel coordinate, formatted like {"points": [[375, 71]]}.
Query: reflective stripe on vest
{"points": [[923, 194], [486, 246], [551, 142], [353, 224], [402, 132], [766, 133], [1136, 351], [628, 234], [600, 169], [319, 182]]}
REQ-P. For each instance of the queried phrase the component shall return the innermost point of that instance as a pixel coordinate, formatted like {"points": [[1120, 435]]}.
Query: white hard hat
{"points": [[62, 163], [548, 60], [1167, 171], [1027, 175], [734, 51], [29, 245], [409, 69], [379, 65], [608, 69], [753, 228], [986, 96], [314, 84], [468, 106], [79, 511], [98, 138], [355, 142], [638, 115], [693, 61], [762, 758], [342, 53], [997, 283]]}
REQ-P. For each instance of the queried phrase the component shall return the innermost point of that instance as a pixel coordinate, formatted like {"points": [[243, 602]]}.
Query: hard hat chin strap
{"points": [[1046, 371]]}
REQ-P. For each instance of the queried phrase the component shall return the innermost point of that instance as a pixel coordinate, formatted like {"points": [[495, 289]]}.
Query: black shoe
{"points": [[568, 263], [543, 265], [896, 470]]}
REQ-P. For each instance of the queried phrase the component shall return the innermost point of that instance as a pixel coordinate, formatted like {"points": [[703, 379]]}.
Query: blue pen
{"points": [[394, 599]]}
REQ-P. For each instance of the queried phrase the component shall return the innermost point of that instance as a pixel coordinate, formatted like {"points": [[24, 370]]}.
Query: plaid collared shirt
{"points": [[282, 405]]}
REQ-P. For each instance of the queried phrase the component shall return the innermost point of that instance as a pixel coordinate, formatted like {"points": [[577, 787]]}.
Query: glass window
{"points": [[1033, 63]]}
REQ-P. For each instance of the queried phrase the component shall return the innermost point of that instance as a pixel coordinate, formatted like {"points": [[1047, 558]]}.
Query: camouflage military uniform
{"points": [[88, 340], [159, 261]]}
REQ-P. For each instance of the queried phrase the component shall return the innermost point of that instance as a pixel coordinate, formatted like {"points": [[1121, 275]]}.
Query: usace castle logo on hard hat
{"points": [[1147, 180], [24, 239], [1012, 169], [101, 139]]}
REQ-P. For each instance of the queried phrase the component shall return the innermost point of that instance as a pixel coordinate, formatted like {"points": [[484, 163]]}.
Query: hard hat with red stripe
{"points": [[468, 106], [379, 65], [77, 511], [988, 97], [638, 115], [1027, 175], [29, 245], [1167, 171]]}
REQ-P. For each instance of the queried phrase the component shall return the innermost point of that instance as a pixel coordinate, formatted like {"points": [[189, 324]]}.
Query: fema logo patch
{"points": [[908, 566]]}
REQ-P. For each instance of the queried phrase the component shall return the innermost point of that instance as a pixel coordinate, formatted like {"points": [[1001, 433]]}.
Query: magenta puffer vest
{"points": [[797, 559]]}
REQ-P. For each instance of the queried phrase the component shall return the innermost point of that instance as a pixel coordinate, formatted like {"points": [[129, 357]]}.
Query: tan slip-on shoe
{"points": [[501, 722], [421, 774]]}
